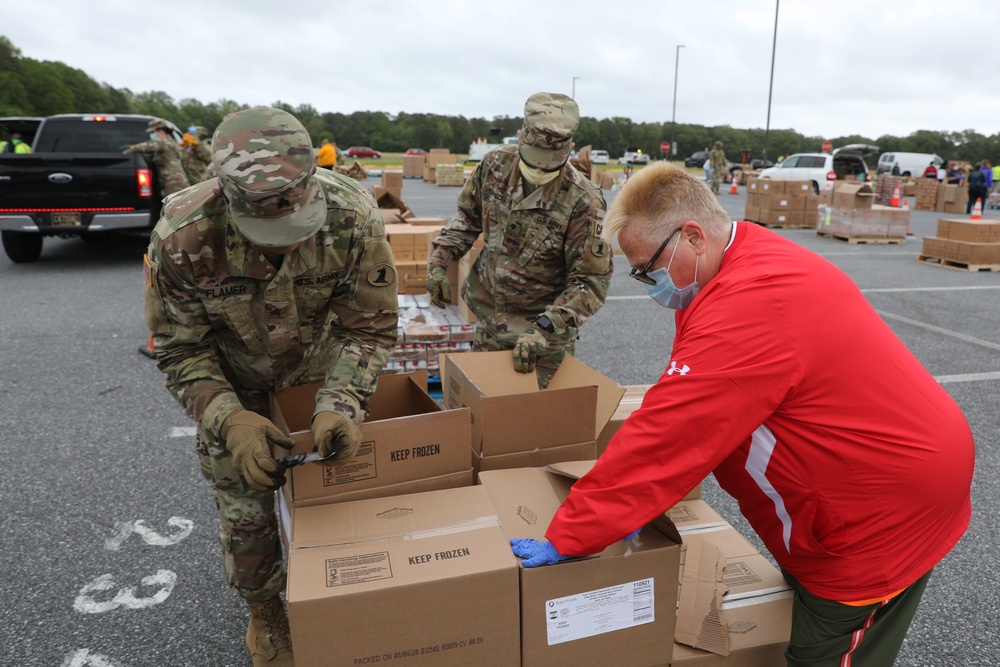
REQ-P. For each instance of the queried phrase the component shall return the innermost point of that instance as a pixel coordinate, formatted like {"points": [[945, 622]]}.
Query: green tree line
{"points": [[31, 87]]}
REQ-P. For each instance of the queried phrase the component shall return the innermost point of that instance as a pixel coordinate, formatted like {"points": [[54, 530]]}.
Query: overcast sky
{"points": [[845, 67]]}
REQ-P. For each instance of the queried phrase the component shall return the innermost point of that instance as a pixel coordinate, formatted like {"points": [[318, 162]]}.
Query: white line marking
{"points": [[968, 377], [880, 290], [943, 332], [125, 528], [84, 658], [125, 597], [182, 431]]}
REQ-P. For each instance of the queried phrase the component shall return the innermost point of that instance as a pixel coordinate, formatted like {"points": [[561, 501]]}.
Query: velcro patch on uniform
{"points": [[147, 271], [381, 275]]}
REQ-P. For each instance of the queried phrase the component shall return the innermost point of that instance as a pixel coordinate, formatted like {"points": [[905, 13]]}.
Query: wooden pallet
{"points": [[863, 239], [958, 266], [771, 225]]}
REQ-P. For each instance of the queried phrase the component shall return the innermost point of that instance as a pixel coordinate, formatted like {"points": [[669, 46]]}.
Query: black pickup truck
{"points": [[77, 182]]}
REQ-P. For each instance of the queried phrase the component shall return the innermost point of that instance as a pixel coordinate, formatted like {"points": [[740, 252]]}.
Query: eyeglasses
{"points": [[641, 275]]}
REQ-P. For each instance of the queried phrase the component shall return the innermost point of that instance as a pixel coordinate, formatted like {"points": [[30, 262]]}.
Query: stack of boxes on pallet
{"points": [[426, 332], [927, 193], [940, 197], [433, 159], [450, 174], [408, 538], [852, 214], [885, 189], [963, 243], [785, 204]]}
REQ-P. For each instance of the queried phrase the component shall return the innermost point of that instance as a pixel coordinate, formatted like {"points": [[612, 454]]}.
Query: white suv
{"points": [[823, 168], [599, 157]]}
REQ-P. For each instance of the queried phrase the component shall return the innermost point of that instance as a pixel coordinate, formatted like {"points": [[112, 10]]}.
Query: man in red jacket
{"points": [[848, 459]]}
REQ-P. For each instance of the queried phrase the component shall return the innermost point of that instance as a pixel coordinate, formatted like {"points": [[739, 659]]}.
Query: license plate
{"points": [[65, 219]]}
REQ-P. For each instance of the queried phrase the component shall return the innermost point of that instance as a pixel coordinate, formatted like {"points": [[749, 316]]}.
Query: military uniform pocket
{"points": [[156, 318], [239, 317], [375, 289]]}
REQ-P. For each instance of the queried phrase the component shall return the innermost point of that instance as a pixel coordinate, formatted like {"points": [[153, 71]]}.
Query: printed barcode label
{"points": [[600, 611]]}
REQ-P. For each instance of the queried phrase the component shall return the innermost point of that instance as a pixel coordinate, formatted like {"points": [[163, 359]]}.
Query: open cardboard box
{"points": [[511, 415], [614, 608], [423, 580], [409, 444]]}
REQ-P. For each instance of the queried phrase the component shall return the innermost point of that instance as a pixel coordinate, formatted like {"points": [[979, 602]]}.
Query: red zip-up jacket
{"points": [[846, 456]]}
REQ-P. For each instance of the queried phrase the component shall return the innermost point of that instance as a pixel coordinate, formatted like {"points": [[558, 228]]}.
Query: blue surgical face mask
{"points": [[668, 295], [153, 135]]}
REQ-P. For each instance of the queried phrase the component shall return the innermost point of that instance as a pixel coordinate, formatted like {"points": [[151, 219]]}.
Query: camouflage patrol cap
{"points": [[264, 159], [201, 131], [157, 124], [550, 119]]}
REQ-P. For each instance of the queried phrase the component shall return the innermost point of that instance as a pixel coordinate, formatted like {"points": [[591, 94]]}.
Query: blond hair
{"points": [[662, 197]]}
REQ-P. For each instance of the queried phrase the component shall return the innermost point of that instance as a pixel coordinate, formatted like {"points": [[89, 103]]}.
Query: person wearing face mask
{"points": [[544, 269], [847, 457], [258, 284], [167, 157]]}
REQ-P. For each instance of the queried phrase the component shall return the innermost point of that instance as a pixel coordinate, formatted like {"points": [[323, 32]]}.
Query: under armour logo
{"points": [[683, 370]]}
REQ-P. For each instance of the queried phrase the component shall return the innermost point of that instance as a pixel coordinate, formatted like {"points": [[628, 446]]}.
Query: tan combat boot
{"points": [[267, 635]]}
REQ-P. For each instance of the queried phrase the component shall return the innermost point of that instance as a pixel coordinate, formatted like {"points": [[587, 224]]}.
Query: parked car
{"points": [[415, 151], [823, 168], [634, 157], [599, 157], [362, 151], [696, 159]]}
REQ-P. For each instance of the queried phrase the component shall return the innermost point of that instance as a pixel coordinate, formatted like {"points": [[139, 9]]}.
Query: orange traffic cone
{"points": [[733, 189], [906, 207], [895, 198], [148, 350], [977, 210]]}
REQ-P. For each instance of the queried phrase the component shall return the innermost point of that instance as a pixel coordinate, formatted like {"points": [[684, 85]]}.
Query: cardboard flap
{"points": [[571, 469], [574, 373], [699, 617]]}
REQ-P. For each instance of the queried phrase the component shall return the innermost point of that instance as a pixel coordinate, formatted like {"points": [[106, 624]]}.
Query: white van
{"points": [[910, 164]]}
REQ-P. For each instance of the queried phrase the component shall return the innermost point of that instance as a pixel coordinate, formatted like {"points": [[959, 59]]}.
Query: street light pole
{"points": [[774, 44], [673, 114], [574, 87]]}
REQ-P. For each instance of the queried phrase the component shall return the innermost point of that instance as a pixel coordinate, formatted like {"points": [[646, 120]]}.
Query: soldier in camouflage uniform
{"points": [[196, 159], [269, 276], [167, 157], [717, 160], [544, 269]]}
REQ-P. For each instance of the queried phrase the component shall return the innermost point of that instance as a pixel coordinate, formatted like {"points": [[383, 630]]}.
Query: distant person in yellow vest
{"points": [[19, 145], [326, 156], [996, 178]]}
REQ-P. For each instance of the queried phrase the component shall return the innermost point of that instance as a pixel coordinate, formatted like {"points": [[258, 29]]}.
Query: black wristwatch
{"points": [[545, 323]]}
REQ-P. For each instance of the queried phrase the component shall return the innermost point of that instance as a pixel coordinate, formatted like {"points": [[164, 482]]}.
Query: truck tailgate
{"points": [[62, 180]]}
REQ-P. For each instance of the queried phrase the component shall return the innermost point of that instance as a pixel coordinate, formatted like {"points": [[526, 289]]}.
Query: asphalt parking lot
{"points": [[109, 532]]}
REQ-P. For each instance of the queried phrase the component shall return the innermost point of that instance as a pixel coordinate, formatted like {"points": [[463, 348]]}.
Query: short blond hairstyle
{"points": [[663, 197]]}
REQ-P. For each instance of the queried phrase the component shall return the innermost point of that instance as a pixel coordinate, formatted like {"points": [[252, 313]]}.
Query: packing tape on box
{"points": [[712, 527], [759, 599], [492, 521]]}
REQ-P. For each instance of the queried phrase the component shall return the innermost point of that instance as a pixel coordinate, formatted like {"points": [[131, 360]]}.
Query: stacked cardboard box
{"points": [[424, 333], [927, 194], [449, 175], [951, 198], [962, 241], [433, 159], [392, 181], [413, 166], [789, 204], [391, 206], [853, 215], [410, 246], [603, 178], [515, 424], [885, 189]]}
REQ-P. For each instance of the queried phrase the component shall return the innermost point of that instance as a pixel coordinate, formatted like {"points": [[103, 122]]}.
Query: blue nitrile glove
{"points": [[631, 537], [535, 553]]}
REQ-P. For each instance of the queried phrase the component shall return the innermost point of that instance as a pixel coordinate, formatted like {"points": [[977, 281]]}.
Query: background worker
{"points": [[254, 285], [856, 477], [931, 171], [195, 153], [326, 156], [977, 189], [544, 269], [166, 156], [717, 160], [19, 145]]}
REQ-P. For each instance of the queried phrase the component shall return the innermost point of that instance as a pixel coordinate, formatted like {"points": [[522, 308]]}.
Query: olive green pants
{"points": [[831, 634]]}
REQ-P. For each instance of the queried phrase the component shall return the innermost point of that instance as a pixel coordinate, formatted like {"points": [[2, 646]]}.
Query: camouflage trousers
{"points": [[716, 180], [489, 339], [248, 527]]}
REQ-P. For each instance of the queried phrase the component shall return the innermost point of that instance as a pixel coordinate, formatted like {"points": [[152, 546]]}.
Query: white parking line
{"points": [[944, 332], [182, 431], [968, 377]]}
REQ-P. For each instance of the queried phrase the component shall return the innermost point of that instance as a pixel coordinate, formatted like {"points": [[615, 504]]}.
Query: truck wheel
{"points": [[815, 188], [22, 247]]}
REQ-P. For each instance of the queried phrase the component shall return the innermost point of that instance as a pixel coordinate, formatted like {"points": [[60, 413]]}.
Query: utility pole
{"points": [[574, 87], [774, 44], [673, 114]]}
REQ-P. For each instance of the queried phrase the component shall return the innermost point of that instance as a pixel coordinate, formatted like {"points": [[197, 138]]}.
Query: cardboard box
{"points": [[419, 580], [511, 414], [853, 196], [615, 608], [408, 443], [427, 221], [465, 265], [975, 231], [767, 186], [798, 187], [413, 166], [392, 181], [387, 200], [439, 151]]}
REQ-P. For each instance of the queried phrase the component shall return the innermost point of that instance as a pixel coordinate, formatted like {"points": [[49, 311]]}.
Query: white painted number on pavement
{"points": [[125, 597], [84, 658], [125, 528]]}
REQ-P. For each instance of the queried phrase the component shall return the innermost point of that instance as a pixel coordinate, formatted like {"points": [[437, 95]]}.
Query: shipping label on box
{"points": [[768, 186]]}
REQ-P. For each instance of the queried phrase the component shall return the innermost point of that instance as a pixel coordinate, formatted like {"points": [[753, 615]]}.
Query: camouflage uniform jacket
{"points": [[541, 252], [167, 159], [226, 324], [195, 161], [717, 159]]}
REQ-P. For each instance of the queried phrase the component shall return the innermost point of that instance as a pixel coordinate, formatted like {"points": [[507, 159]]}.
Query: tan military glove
{"points": [[438, 286], [528, 349], [248, 437], [335, 433]]}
